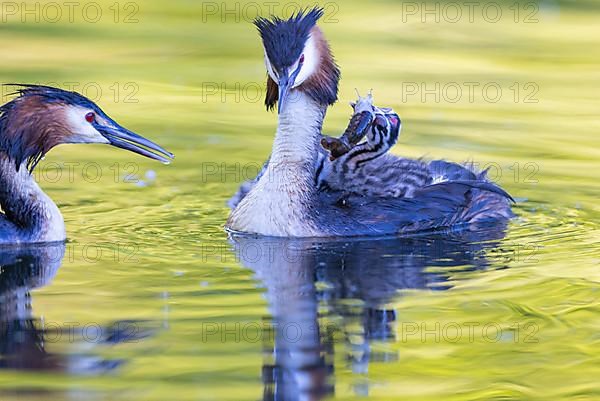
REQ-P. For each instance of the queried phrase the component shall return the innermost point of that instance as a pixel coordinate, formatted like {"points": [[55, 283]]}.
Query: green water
{"points": [[152, 301]]}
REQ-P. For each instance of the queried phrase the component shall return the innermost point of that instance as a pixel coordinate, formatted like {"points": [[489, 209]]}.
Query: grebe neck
{"points": [[34, 215], [282, 202], [298, 130]]}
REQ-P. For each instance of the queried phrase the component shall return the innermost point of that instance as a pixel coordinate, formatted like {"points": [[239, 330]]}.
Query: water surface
{"points": [[150, 300]]}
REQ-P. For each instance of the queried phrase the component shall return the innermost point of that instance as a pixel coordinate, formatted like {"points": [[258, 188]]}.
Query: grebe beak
{"points": [[123, 138], [285, 84]]}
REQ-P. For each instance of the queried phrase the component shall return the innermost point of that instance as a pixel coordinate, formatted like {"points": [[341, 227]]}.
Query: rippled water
{"points": [[150, 300]]}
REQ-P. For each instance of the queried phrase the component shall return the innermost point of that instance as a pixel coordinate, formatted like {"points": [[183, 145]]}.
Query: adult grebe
{"points": [[40, 118], [285, 200]]}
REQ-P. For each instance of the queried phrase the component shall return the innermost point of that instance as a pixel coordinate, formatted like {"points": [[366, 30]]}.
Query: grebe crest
{"points": [[297, 56]]}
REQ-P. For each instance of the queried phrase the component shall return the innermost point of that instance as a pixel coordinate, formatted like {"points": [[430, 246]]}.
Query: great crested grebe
{"points": [[40, 118], [285, 201]]}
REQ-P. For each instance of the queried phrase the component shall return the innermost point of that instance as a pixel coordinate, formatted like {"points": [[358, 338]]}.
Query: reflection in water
{"points": [[24, 338], [324, 292], [21, 341]]}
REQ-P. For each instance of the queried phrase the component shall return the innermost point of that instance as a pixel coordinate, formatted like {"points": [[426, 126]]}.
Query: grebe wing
{"points": [[434, 207]]}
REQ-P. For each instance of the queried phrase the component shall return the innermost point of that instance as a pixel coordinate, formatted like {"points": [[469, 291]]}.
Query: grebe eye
{"points": [[301, 59], [90, 117]]}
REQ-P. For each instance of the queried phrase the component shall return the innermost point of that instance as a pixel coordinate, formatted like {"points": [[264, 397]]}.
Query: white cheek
{"points": [[311, 62], [82, 131], [270, 70]]}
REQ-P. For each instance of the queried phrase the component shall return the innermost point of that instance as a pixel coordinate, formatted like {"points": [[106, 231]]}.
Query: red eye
{"points": [[301, 59], [90, 117]]}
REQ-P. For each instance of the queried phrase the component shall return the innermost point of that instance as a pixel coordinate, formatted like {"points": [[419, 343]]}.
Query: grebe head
{"points": [[297, 55], [41, 117]]}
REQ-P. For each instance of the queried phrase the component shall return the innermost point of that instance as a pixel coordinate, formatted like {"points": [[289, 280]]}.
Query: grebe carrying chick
{"points": [[306, 191]]}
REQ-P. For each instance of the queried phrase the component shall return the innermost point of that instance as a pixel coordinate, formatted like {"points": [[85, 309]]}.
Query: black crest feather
{"points": [[52, 94], [284, 39]]}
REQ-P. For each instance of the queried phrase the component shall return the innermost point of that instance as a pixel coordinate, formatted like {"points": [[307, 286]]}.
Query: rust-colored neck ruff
{"points": [[29, 127], [322, 86]]}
